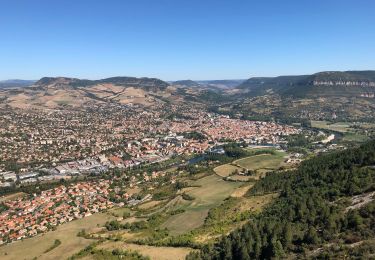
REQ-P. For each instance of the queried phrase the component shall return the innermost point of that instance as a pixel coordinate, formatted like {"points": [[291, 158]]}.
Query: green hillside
{"points": [[317, 214]]}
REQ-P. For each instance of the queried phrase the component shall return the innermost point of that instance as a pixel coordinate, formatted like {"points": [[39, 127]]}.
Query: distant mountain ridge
{"points": [[15, 83], [321, 83], [187, 83], [148, 84], [210, 84], [64, 92]]}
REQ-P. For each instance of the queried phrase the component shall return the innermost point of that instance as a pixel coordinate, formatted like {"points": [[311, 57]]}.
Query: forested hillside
{"points": [[325, 209]]}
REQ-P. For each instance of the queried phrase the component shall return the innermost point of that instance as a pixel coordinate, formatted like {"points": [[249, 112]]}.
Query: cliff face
{"points": [[345, 83], [332, 83]]}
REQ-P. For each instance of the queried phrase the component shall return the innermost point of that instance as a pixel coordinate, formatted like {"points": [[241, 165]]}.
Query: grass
{"points": [[151, 204], [341, 127], [351, 137], [350, 134], [237, 210], [155, 253], [241, 191], [119, 212], [212, 191], [66, 233], [55, 244], [226, 170], [262, 161], [256, 203]]}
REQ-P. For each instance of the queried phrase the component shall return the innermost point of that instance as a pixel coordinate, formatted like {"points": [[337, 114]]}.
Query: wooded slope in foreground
{"points": [[325, 210]]}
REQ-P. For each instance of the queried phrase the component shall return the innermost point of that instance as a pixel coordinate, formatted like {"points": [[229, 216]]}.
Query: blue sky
{"points": [[181, 39]]}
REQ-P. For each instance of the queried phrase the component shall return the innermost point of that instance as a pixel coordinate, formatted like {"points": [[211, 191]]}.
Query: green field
{"points": [[262, 161], [351, 137], [350, 132], [66, 233], [341, 127], [212, 191]]}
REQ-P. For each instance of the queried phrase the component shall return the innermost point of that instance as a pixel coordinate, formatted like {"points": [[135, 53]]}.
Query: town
{"points": [[58, 145], [66, 146]]}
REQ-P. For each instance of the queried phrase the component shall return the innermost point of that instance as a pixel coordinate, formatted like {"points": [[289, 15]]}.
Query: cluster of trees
{"points": [[185, 196], [168, 191], [135, 226], [194, 135], [309, 212], [298, 140], [3, 207]]}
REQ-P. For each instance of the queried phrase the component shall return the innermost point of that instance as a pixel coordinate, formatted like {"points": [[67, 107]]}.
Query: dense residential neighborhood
{"points": [[39, 213]]}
